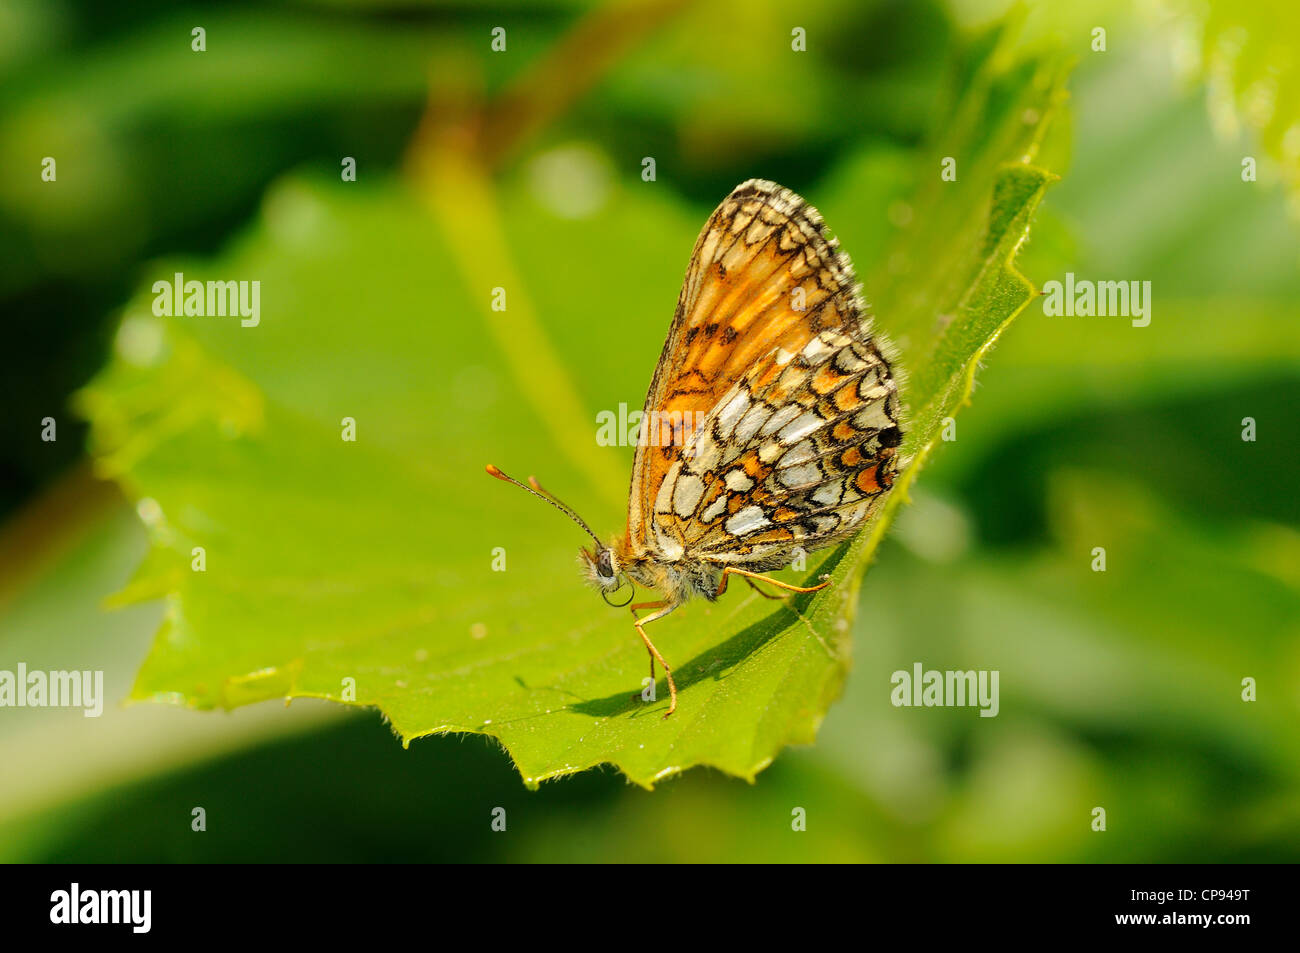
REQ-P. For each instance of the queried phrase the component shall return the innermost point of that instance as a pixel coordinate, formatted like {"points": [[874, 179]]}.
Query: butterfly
{"points": [[772, 424]]}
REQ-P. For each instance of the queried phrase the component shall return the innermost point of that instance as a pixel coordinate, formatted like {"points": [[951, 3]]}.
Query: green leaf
{"points": [[367, 565]]}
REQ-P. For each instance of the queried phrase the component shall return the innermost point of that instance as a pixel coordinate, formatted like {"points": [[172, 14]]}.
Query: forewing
{"points": [[763, 279]]}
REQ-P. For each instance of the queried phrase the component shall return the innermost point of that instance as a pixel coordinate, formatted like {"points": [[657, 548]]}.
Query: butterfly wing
{"points": [[773, 416], [798, 453]]}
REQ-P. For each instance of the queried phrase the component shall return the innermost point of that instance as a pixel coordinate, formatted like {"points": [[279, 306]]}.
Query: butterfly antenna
{"points": [[537, 491], [532, 481]]}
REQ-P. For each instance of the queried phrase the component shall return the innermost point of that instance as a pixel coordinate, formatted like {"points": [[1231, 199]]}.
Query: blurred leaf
{"points": [[130, 147], [332, 563], [58, 559], [734, 75], [1248, 58]]}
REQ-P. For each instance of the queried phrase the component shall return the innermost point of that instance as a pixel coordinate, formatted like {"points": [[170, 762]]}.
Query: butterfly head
{"points": [[603, 572], [600, 564]]}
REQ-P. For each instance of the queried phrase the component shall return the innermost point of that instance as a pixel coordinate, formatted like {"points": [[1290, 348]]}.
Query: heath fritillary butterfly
{"points": [[772, 424]]}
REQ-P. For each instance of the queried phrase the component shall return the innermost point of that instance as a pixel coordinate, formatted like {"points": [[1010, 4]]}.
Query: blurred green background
{"points": [[1119, 690]]}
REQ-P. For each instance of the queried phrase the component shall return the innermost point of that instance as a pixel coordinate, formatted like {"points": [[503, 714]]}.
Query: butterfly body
{"points": [[678, 580], [772, 424]]}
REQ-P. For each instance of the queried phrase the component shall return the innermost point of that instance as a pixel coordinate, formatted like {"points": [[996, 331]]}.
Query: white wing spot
{"points": [[739, 481], [715, 509], [669, 547], [827, 495], [705, 456], [800, 453], [871, 387], [826, 523], [748, 520], [873, 416], [687, 494], [818, 350], [800, 476], [800, 428], [663, 500], [731, 413], [779, 419], [750, 423], [848, 362]]}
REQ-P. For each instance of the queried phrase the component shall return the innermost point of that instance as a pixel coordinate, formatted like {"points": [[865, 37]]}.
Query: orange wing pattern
{"points": [[772, 419]]}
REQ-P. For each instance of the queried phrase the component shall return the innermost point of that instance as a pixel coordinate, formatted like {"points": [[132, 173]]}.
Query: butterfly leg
{"points": [[747, 576], [648, 605], [664, 607]]}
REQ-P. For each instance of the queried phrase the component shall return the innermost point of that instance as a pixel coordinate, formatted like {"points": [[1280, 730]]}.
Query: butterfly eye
{"points": [[603, 565]]}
